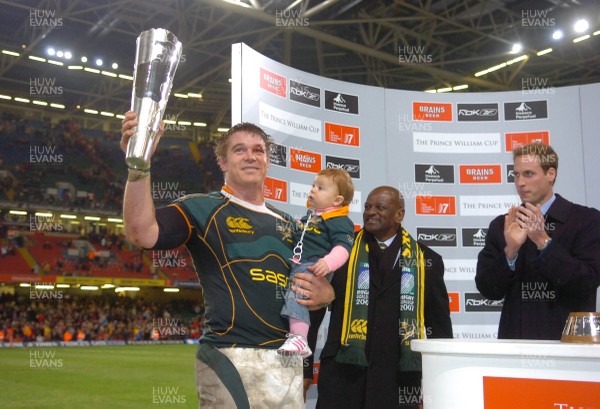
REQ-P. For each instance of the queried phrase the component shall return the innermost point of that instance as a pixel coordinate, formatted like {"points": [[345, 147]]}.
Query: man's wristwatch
{"points": [[546, 243]]}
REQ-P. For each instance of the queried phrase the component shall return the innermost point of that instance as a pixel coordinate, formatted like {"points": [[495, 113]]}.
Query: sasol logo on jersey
{"points": [[239, 225], [270, 276]]}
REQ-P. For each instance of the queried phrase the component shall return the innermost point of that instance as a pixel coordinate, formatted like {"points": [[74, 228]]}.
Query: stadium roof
{"points": [[411, 45]]}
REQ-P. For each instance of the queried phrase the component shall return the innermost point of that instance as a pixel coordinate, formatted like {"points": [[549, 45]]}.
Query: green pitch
{"points": [[135, 376]]}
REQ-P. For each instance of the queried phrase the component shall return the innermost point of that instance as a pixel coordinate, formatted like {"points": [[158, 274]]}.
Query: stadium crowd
{"points": [[55, 315], [37, 155]]}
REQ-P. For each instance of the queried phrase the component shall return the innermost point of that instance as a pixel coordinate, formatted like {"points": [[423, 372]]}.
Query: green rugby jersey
{"points": [[241, 257], [324, 232]]}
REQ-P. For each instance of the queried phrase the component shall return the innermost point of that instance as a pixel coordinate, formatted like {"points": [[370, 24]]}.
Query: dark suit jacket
{"points": [[545, 287], [377, 386]]}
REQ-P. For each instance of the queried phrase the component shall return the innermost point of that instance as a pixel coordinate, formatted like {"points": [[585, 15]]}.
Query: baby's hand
{"points": [[320, 268]]}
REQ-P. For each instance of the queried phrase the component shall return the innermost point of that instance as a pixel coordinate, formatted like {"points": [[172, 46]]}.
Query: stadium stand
{"points": [[58, 165], [60, 316]]}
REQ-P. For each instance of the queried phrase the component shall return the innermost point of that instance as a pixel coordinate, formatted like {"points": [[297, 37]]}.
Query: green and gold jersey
{"points": [[240, 253]]}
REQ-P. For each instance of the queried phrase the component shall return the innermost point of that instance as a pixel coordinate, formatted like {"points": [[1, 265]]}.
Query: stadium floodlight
{"points": [[115, 66], [99, 62], [517, 47], [557, 35], [122, 289], [68, 55], [83, 59], [60, 54], [581, 26], [578, 39], [51, 51]]}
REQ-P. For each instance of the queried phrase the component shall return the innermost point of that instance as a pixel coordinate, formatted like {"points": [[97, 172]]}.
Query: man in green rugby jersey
{"points": [[240, 246]]}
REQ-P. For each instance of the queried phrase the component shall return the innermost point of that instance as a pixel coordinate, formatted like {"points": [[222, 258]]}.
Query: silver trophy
{"points": [[157, 55]]}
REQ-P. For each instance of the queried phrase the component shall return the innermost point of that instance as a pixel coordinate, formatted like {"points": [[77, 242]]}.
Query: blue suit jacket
{"points": [[545, 286]]}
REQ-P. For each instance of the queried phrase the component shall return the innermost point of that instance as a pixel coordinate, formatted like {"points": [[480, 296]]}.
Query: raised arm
{"points": [[139, 217]]}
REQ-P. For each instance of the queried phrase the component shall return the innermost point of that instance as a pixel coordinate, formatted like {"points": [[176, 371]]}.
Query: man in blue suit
{"points": [[543, 257]]}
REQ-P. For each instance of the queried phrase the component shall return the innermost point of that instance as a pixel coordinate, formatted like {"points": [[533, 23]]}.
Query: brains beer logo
{"points": [[239, 225]]}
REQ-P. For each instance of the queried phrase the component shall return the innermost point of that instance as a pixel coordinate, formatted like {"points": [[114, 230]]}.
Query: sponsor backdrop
{"points": [[449, 154]]}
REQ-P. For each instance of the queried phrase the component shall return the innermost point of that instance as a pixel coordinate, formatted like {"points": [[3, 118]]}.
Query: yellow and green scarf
{"points": [[356, 303]]}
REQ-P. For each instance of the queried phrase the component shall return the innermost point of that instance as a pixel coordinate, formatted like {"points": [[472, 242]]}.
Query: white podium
{"points": [[509, 374]]}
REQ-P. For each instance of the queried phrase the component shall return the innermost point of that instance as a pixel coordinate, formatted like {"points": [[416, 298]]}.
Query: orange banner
{"points": [[430, 111], [503, 393], [275, 189], [516, 139], [480, 173], [342, 135], [305, 160], [439, 205]]}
